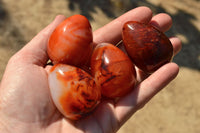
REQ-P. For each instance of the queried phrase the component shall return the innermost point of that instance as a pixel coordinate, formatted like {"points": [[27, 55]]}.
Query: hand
{"points": [[25, 102]]}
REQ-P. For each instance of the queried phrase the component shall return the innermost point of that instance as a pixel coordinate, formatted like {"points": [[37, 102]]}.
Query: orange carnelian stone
{"points": [[71, 41]]}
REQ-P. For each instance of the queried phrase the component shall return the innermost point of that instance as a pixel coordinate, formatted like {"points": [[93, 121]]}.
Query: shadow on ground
{"points": [[88, 6], [10, 35]]}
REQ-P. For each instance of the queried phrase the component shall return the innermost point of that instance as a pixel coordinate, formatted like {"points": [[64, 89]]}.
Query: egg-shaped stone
{"points": [[113, 71], [73, 91], [71, 42], [148, 47]]}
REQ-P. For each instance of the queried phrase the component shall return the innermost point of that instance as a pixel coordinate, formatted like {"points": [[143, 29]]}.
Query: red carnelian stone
{"points": [[114, 72], [71, 42], [148, 47]]}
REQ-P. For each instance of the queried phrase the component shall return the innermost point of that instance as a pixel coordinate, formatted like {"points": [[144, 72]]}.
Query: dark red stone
{"points": [[148, 47]]}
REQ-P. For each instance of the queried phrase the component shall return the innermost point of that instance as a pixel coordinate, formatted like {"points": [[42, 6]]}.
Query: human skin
{"points": [[25, 102]]}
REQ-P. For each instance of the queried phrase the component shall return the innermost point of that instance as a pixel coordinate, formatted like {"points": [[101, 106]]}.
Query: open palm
{"points": [[25, 102]]}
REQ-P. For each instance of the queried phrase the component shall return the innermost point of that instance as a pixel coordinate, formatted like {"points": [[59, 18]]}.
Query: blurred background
{"points": [[176, 109]]}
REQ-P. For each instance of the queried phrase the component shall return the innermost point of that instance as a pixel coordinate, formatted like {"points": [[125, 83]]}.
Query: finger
{"points": [[111, 32], [145, 91], [177, 45], [35, 50], [162, 21]]}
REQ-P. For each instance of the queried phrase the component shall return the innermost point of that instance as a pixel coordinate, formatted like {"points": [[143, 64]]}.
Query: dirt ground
{"points": [[176, 109]]}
